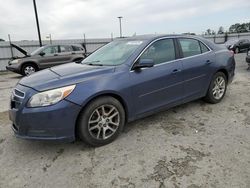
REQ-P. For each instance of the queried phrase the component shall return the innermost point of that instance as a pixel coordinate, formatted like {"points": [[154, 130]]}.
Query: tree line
{"points": [[235, 28]]}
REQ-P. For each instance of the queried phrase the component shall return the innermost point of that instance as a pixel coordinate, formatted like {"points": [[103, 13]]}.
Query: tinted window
{"points": [[203, 48], [76, 48], [160, 51], [51, 50], [190, 47], [66, 48]]}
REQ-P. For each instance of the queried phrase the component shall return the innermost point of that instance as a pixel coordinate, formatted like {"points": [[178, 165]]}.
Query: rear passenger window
{"points": [[190, 47], [66, 48], [203, 48], [76, 48], [160, 51]]}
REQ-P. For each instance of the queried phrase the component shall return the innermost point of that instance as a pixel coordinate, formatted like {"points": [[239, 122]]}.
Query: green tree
{"points": [[242, 28], [208, 32], [221, 30], [233, 28]]}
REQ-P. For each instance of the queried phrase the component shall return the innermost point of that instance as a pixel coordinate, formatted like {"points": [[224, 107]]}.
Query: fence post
{"points": [[226, 36]]}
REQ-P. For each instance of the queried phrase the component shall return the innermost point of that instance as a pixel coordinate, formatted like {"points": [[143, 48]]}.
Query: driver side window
{"points": [[160, 51], [50, 50]]}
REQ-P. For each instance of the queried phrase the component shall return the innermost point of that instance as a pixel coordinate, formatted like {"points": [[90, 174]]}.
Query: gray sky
{"points": [[68, 19]]}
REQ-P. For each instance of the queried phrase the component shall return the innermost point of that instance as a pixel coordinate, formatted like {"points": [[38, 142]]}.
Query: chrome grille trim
{"points": [[18, 93]]}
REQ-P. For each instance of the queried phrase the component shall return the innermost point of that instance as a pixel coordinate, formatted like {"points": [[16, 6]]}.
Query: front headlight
{"points": [[50, 97], [15, 61]]}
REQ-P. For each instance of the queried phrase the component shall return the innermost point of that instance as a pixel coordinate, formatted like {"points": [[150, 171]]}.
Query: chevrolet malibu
{"points": [[125, 80]]}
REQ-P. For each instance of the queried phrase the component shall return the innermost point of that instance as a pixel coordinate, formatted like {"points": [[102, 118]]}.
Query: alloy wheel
{"points": [[219, 87], [104, 122]]}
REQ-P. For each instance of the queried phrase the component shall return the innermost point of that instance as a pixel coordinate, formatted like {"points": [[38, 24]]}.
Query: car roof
{"points": [[153, 37], [78, 45]]}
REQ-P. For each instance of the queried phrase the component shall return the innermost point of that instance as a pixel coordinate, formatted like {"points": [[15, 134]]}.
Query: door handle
{"points": [[208, 62], [176, 71], [55, 54], [73, 53]]}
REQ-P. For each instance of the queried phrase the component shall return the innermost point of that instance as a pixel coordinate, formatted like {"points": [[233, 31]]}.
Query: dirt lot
{"points": [[193, 145]]}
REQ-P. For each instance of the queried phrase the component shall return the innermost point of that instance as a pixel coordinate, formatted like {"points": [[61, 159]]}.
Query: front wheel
{"points": [[101, 121], [28, 69], [217, 88]]}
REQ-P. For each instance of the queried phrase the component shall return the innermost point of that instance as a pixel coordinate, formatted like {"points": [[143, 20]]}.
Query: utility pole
{"points": [[37, 23], [120, 21]]}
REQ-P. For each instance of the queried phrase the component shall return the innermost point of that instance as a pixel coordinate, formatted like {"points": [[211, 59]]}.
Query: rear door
{"points": [[66, 54], [160, 85], [197, 61]]}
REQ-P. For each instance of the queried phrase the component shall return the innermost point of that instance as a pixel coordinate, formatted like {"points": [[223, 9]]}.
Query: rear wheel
{"points": [[28, 69], [101, 121], [217, 88]]}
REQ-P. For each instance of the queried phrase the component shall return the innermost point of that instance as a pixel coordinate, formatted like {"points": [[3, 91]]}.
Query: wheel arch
{"points": [[105, 94], [29, 62], [223, 70]]}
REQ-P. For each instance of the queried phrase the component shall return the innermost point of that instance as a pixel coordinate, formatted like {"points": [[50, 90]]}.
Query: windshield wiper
{"points": [[93, 63]]}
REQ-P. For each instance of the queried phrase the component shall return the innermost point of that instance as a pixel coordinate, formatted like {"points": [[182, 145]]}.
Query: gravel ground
{"points": [[192, 145]]}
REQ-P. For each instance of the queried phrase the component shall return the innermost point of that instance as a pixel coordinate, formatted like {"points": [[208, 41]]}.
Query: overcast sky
{"points": [[68, 19]]}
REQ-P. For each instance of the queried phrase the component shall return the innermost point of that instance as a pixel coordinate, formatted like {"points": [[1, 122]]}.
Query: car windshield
{"points": [[37, 51], [114, 53]]}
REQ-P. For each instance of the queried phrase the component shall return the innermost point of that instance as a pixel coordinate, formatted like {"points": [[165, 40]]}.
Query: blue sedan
{"points": [[125, 80]]}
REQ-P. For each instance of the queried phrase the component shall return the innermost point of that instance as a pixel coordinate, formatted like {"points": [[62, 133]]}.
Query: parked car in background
{"points": [[125, 80], [238, 45], [45, 57]]}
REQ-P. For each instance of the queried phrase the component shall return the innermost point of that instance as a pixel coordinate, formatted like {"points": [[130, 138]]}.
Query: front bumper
{"points": [[13, 68], [55, 122]]}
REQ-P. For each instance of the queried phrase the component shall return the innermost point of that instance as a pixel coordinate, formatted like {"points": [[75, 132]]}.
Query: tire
{"points": [[237, 50], [28, 69], [216, 92], [94, 127]]}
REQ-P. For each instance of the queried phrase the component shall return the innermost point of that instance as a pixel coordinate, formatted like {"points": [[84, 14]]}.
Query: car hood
{"points": [[64, 75], [20, 49]]}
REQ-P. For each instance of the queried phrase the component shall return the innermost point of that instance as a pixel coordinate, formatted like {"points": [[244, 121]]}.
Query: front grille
{"points": [[19, 93], [15, 104], [16, 99]]}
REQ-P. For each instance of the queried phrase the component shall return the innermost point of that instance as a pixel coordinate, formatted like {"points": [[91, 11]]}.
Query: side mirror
{"points": [[41, 53], [144, 63]]}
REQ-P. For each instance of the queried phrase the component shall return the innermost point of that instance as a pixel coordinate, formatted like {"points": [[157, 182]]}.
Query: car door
{"points": [[66, 54], [160, 85], [197, 61], [48, 56], [244, 44]]}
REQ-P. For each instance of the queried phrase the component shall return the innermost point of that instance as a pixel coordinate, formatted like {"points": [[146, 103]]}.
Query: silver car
{"points": [[45, 57]]}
